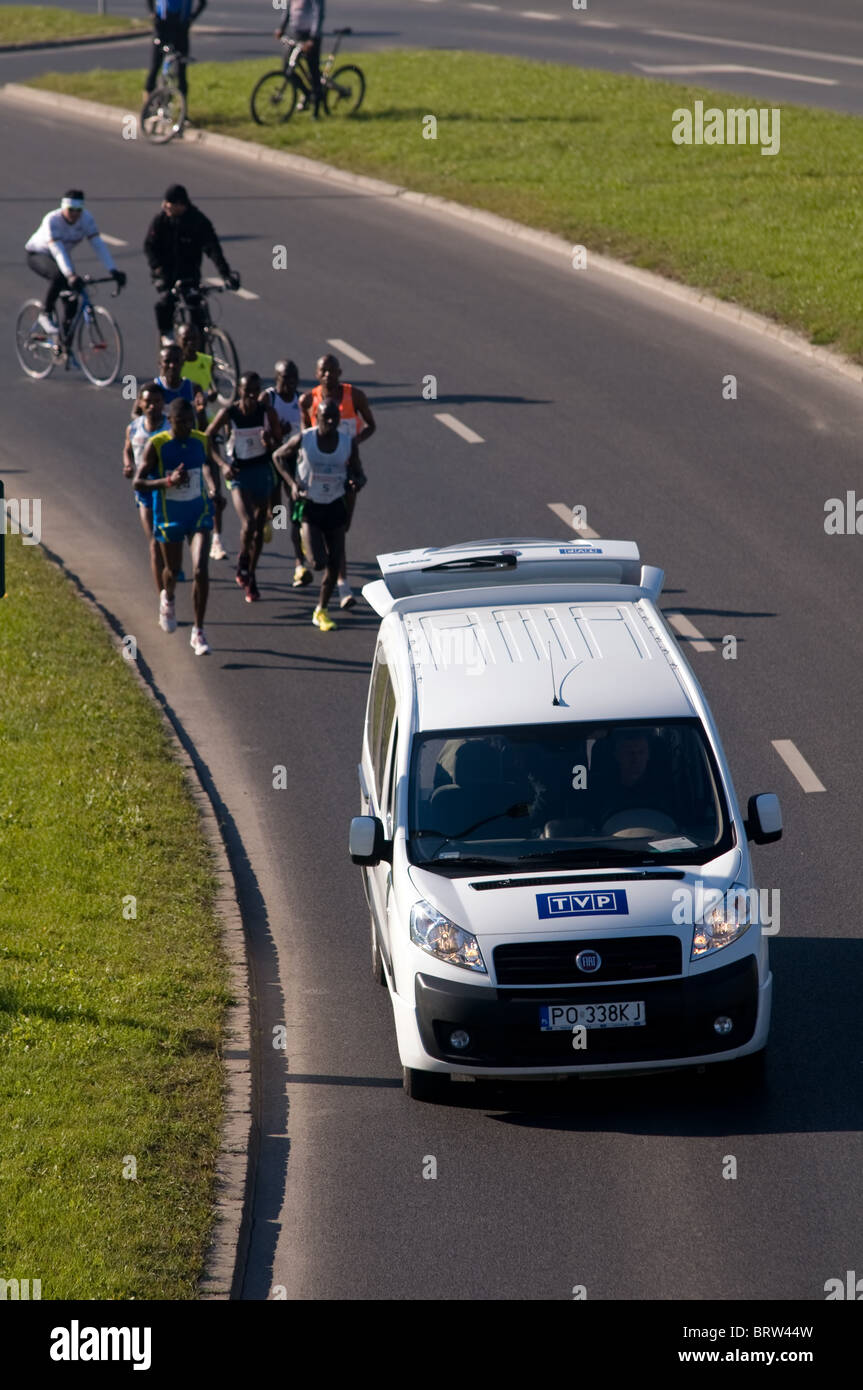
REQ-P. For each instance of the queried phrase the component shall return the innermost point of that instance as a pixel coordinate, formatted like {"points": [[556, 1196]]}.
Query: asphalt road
{"points": [[584, 392], [779, 51]]}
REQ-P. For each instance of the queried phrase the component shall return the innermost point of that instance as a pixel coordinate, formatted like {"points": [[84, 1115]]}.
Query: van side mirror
{"points": [[367, 843], [764, 819]]}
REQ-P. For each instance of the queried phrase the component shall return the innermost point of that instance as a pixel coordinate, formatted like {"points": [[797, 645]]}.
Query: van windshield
{"points": [[569, 795]]}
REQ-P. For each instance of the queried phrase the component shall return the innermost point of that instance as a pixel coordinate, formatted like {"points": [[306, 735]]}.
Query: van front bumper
{"points": [[504, 1024]]}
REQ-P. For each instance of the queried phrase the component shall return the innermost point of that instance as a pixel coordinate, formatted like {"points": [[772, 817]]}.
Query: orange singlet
{"points": [[346, 408]]}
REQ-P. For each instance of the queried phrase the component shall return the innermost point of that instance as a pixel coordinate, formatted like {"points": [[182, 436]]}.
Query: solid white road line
{"points": [[807, 53], [483, 7], [687, 629], [691, 69], [353, 353], [797, 764], [113, 240], [565, 513], [458, 428], [598, 24]]}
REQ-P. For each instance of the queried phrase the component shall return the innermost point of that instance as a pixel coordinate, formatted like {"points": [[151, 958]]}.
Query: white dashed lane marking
{"points": [[113, 240], [464, 431], [353, 353], [565, 513], [691, 69], [797, 764], [686, 629]]}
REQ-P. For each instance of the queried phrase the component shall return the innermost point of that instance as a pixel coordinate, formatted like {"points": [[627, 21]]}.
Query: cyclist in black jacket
{"points": [[177, 240]]}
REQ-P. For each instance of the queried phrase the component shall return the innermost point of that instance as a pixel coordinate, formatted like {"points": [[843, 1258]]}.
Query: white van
{"points": [[555, 862]]}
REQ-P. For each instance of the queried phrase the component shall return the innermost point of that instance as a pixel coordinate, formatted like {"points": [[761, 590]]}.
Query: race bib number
{"points": [[247, 443], [189, 485]]}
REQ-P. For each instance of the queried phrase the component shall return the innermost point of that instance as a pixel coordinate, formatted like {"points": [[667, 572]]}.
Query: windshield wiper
{"points": [[519, 808], [465, 861], [592, 858]]}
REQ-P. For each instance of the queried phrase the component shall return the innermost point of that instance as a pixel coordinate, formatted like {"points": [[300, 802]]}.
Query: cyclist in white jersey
{"points": [[149, 419], [49, 251], [285, 401], [320, 466]]}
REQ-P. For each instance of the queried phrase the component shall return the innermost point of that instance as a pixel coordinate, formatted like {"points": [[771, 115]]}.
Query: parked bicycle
{"points": [[278, 94], [164, 112], [191, 306], [87, 336]]}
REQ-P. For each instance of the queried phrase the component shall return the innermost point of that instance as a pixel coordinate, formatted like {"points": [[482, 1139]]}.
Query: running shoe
{"points": [[242, 578], [217, 550], [253, 593], [346, 596], [268, 530], [167, 616], [301, 576], [322, 619], [198, 642]]}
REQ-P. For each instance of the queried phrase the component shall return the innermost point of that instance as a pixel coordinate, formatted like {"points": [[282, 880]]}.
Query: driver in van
{"points": [[627, 779]]}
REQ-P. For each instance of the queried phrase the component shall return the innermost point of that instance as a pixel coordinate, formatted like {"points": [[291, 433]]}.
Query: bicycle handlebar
{"points": [[101, 280], [180, 286]]}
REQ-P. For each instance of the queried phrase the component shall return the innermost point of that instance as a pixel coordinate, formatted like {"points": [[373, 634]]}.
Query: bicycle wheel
{"points": [[98, 346], [226, 364], [163, 115], [36, 349], [274, 99], [344, 91]]}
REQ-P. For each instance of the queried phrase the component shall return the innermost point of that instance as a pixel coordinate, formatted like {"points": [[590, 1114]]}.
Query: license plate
{"points": [[554, 1018]]}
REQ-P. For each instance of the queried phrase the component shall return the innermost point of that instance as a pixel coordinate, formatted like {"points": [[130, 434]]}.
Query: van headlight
{"points": [[443, 939], [722, 921]]}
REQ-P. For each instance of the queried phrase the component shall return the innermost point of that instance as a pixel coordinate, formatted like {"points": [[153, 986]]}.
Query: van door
{"points": [[380, 725]]}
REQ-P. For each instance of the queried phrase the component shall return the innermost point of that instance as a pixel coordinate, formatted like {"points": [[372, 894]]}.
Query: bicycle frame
{"points": [[83, 302], [297, 63]]}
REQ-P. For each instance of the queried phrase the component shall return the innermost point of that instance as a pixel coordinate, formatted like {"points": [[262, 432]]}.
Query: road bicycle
{"points": [[164, 112], [87, 336], [191, 306], [278, 94]]}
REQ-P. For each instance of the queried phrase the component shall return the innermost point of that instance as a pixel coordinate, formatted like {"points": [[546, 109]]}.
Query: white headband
{"points": [[72, 203]]}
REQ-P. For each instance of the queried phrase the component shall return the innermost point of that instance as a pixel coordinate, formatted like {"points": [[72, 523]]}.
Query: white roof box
{"points": [[412, 577]]}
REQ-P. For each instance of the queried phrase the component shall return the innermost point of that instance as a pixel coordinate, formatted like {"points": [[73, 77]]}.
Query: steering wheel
{"points": [[639, 824]]}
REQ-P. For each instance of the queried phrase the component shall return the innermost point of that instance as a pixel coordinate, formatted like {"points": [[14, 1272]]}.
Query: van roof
{"points": [[496, 662]]}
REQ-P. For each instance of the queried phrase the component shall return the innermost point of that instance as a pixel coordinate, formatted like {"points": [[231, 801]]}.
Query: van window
{"points": [[380, 716], [388, 791], [568, 794]]}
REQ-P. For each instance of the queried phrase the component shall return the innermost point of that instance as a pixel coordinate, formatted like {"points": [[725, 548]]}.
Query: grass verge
{"points": [[109, 1024], [589, 155], [40, 23]]}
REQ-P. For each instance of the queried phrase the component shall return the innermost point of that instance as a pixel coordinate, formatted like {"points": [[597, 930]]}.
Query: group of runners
{"points": [[179, 447], [265, 440]]}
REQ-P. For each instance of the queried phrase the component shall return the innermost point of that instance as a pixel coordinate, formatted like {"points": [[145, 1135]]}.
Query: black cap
{"points": [[176, 193]]}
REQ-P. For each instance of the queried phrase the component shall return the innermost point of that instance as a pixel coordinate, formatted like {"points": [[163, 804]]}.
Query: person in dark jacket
{"points": [[177, 240]]}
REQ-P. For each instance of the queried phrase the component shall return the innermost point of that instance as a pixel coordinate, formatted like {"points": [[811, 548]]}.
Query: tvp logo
{"points": [[590, 904]]}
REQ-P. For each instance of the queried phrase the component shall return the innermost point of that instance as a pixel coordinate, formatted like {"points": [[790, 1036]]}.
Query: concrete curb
{"points": [[210, 30], [33, 45], [837, 363], [225, 1256]]}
